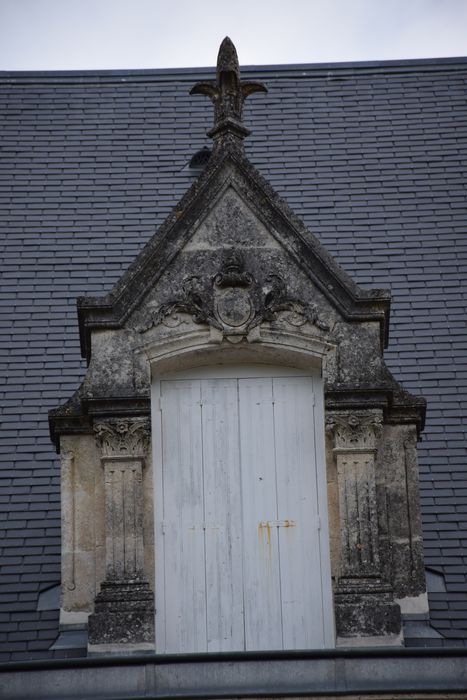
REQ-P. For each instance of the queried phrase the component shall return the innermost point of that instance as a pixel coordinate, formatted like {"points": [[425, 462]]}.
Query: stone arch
{"points": [[197, 348]]}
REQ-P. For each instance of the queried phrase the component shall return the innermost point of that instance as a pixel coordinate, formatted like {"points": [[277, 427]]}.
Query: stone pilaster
{"points": [[124, 608], [67, 459], [364, 601]]}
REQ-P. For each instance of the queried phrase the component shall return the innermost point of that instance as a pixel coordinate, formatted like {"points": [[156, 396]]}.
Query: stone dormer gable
{"points": [[231, 209], [231, 206], [234, 305]]}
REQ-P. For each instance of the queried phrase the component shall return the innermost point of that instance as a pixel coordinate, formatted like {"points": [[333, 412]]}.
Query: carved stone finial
{"points": [[227, 93]]}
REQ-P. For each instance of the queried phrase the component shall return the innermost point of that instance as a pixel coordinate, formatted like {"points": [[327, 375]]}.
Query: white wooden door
{"points": [[242, 555]]}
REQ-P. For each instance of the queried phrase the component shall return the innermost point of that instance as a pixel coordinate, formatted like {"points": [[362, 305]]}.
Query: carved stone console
{"points": [[124, 608], [364, 602]]}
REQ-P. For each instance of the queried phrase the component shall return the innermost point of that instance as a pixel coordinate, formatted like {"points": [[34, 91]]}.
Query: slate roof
{"points": [[373, 158]]}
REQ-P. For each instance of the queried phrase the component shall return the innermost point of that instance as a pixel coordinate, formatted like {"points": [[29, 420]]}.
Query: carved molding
{"points": [[67, 459], [123, 437], [234, 302], [355, 430]]}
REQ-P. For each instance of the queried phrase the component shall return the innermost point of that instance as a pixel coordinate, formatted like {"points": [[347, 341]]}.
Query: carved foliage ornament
{"points": [[234, 302], [123, 437], [356, 430]]}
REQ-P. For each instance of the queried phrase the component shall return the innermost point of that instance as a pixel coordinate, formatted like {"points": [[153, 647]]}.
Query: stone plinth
{"points": [[124, 614]]}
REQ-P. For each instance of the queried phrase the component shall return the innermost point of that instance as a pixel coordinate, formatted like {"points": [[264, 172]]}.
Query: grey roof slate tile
{"points": [[372, 157]]}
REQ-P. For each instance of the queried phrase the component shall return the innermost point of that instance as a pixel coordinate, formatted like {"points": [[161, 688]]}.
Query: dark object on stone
{"points": [[200, 159]]}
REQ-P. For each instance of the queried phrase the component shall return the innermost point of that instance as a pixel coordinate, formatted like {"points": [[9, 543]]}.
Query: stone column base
{"points": [[366, 609], [124, 614]]}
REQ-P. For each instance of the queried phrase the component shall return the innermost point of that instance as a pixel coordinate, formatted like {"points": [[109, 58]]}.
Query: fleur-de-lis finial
{"points": [[228, 93]]}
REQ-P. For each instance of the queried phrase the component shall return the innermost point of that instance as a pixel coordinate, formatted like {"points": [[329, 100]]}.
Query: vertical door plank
{"points": [[298, 510], [263, 623], [159, 579], [185, 590], [321, 477], [223, 527]]}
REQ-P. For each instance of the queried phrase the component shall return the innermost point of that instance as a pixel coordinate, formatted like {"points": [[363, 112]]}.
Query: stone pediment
{"points": [[231, 207], [233, 274]]}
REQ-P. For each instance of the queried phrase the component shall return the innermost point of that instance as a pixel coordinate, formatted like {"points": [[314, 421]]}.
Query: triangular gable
{"points": [[232, 170]]}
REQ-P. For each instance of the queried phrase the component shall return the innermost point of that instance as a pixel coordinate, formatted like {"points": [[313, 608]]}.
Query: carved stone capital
{"points": [[123, 437], [355, 430]]}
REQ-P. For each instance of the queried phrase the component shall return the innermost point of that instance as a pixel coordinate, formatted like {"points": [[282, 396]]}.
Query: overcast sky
{"points": [[94, 34]]}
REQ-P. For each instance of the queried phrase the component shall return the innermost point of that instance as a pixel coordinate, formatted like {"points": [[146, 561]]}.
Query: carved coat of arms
{"points": [[232, 293], [234, 302]]}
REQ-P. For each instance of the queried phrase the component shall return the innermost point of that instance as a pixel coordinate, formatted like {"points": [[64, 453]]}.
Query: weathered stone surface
{"points": [[124, 613], [124, 443], [82, 545], [124, 608], [399, 514], [361, 614], [356, 436], [364, 600]]}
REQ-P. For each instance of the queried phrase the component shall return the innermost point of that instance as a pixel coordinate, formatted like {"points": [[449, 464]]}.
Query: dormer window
{"points": [[219, 504]]}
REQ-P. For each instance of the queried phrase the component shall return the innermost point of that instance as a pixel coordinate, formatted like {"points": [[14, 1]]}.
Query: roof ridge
{"points": [[281, 70]]}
